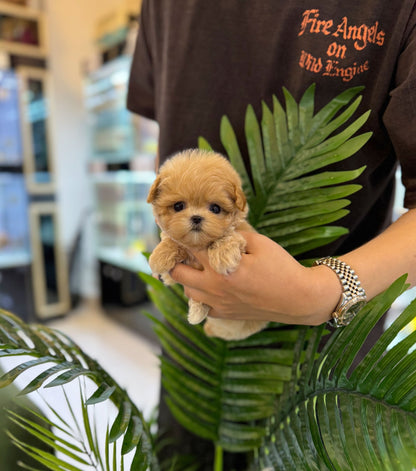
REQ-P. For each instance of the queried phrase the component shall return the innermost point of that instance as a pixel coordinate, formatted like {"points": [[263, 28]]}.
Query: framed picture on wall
{"points": [[49, 265], [38, 161], [21, 30]]}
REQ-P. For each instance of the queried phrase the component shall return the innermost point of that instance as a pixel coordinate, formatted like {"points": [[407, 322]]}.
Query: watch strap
{"points": [[351, 288]]}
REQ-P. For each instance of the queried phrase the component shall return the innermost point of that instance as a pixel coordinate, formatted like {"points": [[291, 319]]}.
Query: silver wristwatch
{"points": [[353, 296]]}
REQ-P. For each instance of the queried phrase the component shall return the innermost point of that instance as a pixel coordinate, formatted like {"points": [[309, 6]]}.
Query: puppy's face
{"points": [[197, 198]]}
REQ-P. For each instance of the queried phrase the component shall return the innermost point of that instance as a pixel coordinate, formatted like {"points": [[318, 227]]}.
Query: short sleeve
{"points": [[141, 94], [400, 115]]}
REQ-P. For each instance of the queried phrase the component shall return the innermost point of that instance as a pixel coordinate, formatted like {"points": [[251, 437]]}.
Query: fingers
{"points": [[186, 275], [195, 282], [193, 278], [254, 239], [202, 257]]}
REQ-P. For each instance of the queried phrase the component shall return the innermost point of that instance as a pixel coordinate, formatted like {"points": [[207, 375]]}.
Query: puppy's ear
{"points": [[154, 190], [240, 198]]}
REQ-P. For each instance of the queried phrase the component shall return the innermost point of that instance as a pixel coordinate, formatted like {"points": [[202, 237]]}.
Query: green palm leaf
{"points": [[217, 388], [76, 444], [222, 391], [283, 150], [345, 417], [48, 347]]}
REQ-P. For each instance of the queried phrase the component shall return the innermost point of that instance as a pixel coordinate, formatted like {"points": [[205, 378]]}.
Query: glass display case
{"points": [[33, 273], [35, 127], [10, 136], [125, 226], [16, 291], [14, 225], [122, 162], [117, 136], [49, 267]]}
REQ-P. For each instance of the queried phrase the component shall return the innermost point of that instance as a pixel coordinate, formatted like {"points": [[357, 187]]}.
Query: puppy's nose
{"points": [[196, 220]]}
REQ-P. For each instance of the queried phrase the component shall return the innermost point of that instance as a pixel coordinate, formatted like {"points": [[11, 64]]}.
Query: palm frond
{"points": [[345, 417], [76, 444], [286, 203], [221, 391], [63, 361]]}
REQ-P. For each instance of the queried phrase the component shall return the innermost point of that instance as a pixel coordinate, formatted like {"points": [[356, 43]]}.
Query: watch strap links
{"points": [[351, 289]]}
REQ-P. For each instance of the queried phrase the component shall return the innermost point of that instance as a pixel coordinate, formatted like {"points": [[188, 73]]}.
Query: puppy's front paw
{"points": [[163, 259], [197, 312], [225, 255], [160, 263], [165, 278]]}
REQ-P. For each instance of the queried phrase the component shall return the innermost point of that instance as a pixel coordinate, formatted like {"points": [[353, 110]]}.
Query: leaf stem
{"points": [[218, 461]]}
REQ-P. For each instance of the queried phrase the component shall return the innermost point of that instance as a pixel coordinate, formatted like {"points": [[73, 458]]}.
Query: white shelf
{"points": [[16, 258], [24, 13], [21, 11], [118, 257]]}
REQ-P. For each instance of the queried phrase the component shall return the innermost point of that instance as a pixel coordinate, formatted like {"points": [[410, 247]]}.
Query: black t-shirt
{"points": [[198, 60]]}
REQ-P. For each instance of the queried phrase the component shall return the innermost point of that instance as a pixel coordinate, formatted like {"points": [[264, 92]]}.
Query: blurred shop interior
{"points": [[75, 165]]}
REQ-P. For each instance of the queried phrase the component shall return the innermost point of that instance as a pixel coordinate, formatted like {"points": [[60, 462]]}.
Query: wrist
{"points": [[326, 291]]}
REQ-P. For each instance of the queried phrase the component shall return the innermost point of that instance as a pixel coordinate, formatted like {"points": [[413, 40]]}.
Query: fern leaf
{"points": [[285, 149], [337, 408], [70, 362], [229, 140], [216, 388], [255, 150], [306, 110], [101, 394]]}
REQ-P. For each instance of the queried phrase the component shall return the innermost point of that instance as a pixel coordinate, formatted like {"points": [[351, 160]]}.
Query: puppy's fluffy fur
{"points": [[198, 202]]}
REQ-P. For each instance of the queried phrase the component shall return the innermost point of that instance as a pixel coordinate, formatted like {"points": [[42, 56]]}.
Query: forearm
{"points": [[388, 256], [271, 285], [377, 264]]}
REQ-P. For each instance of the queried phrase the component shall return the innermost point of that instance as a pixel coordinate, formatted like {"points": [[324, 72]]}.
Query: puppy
{"points": [[199, 204]]}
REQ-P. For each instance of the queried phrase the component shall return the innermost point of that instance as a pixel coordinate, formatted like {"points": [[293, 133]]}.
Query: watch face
{"points": [[350, 310]]}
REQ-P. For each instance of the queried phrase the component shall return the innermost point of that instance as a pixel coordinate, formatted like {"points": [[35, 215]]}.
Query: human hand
{"points": [[269, 284]]}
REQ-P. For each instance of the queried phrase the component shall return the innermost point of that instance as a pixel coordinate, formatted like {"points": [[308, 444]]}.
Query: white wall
{"points": [[70, 29]]}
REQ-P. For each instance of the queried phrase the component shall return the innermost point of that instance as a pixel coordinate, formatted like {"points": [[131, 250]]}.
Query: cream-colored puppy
{"points": [[199, 204]]}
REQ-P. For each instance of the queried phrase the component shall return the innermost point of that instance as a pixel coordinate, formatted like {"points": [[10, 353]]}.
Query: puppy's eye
{"points": [[214, 208], [179, 206]]}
